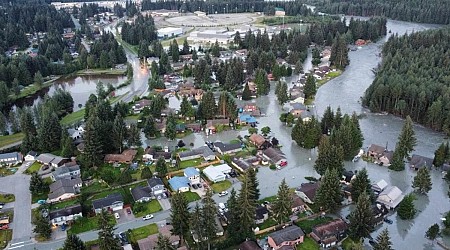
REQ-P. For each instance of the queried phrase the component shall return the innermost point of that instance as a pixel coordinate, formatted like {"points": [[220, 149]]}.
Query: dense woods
{"points": [[143, 29], [437, 11], [413, 79]]}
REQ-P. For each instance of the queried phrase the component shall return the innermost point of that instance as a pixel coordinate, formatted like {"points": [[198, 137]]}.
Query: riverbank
{"points": [[32, 89], [94, 72]]}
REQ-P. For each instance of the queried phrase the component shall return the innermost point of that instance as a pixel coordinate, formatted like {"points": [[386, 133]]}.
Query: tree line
{"points": [[142, 30], [412, 79]]}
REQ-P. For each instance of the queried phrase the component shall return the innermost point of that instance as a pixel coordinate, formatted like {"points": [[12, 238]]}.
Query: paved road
{"points": [[11, 145]]}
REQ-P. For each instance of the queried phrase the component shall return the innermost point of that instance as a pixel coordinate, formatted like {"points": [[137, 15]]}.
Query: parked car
{"points": [[117, 215], [223, 193], [283, 163], [148, 217], [41, 202], [123, 238], [128, 210], [388, 221], [63, 227]]}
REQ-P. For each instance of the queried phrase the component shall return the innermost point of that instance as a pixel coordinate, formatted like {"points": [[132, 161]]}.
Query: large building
{"points": [[211, 36], [169, 32]]}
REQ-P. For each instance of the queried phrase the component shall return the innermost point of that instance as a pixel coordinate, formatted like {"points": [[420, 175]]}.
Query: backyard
{"points": [[5, 198], [84, 224], [146, 208], [34, 168], [308, 244], [190, 163], [67, 203], [221, 186], [307, 225], [191, 196], [142, 232], [266, 224]]}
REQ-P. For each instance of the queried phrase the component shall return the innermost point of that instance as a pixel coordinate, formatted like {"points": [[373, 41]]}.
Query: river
{"points": [[345, 92]]}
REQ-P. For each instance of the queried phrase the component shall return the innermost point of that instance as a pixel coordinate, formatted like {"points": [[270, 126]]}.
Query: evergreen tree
{"points": [[171, 131], [361, 184], [339, 53], [37, 185], [143, 51], [161, 167], [282, 206], [67, 147], [422, 181], [406, 209], [233, 227], [209, 211], [265, 130], [432, 232], [92, 153], [327, 122], [186, 49], [282, 94], [106, 233], [179, 215], [383, 241], [146, 173], [196, 225], [119, 132], [209, 108], [397, 163], [247, 208], [310, 87], [407, 139], [441, 155], [328, 195], [361, 219], [186, 108], [175, 51], [246, 94], [163, 243], [262, 82], [330, 157], [73, 242], [42, 227], [253, 184], [149, 129], [49, 133], [349, 136], [306, 134], [134, 136], [158, 104]]}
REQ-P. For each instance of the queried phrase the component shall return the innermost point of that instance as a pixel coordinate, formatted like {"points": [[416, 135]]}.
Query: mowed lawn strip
{"points": [[221, 186], [6, 140], [150, 207], [142, 232], [191, 196]]}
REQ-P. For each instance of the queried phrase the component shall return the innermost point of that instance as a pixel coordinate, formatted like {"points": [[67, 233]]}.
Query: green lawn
{"points": [[307, 225], [5, 237], [5, 198], [101, 72], [64, 204], [124, 191], [31, 89], [308, 244], [347, 244], [7, 171], [84, 224], [149, 208], [6, 140], [73, 117], [142, 232], [190, 163], [36, 197], [34, 168], [221, 186], [94, 187], [191, 196], [269, 199], [266, 224]]}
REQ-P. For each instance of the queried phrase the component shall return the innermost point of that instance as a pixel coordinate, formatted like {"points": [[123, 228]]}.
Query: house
{"points": [[179, 184], [74, 133], [259, 141], [156, 186], [251, 109], [306, 116], [217, 173], [347, 177], [151, 154], [417, 162], [279, 12], [379, 186], [203, 151], [390, 197], [244, 164], [66, 172], [227, 148], [112, 202], [330, 233], [246, 119], [380, 154], [126, 157], [261, 214], [376, 151], [65, 215], [31, 156], [141, 194], [140, 105], [307, 191], [299, 98], [297, 109], [10, 158], [192, 174], [379, 212], [194, 127], [288, 236], [298, 205], [386, 158], [211, 125], [51, 160], [180, 127], [275, 156], [64, 189], [249, 245], [150, 243]]}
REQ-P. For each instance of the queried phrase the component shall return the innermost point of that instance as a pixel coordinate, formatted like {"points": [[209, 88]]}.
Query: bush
{"points": [[272, 166], [139, 207]]}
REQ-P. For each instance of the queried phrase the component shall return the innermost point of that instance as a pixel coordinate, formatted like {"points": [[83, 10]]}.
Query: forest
{"points": [[414, 79], [436, 11]]}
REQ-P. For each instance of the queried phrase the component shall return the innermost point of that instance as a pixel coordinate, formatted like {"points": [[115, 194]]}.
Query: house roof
{"points": [[75, 209], [243, 164], [215, 122], [329, 228], [247, 118], [14, 155], [126, 156], [418, 161], [178, 182], [140, 192], [65, 169], [249, 245], [151, 241], [107, 201], [298, 106], [190, 171], [380, 185], [225, 147], [377, 149], [297, 201], [216, 171], [305, 114], [46, 158], [309, 189], [63, 186], [348, 175], [72, 131], [289, 233], [391, 196], [32, 153], [274, 154], [155, 181], [257, 139], [204, 151], [260, 212]]}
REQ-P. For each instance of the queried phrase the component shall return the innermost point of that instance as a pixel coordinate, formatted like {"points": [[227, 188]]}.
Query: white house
{"points": [[31, 156], [390, 197], [74, 133], [217, 173], [179, 184], [113, 202], [65, 215]]}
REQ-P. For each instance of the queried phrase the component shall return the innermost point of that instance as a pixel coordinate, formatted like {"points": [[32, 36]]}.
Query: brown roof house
{"points": [[211, 125], [275, 156], [298, 205], [330, 233], [127, 157], [380, 154], [288, 236], [259, 141], [307, 191], [249, 245], [149, 243]]}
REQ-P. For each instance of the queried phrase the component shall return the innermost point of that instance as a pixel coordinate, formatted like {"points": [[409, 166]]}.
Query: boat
{"points": [[358, 156]]}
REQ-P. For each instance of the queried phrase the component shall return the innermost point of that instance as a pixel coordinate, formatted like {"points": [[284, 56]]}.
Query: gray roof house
{"points": [[390, 197], [31, 156], [156, 186], [227, 148], [65, 215], [141, 194], [274, 155], [204, 151], [417, 162], [288, 236], [64, 189], [51, 160], [112, 202], [10, 158], [66, 172]]}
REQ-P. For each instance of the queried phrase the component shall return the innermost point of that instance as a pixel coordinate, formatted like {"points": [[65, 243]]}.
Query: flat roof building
{"points": [[169, 32]]}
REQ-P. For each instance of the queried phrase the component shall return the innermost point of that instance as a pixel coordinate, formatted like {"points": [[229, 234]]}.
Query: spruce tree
{"points": [[282, 94], [247, 208], [92, 153], [246, 94], [383, 241], [119, 132], [234, 218], [150, 128], [330, 157], [179, 215], [49, 132], [306, 134], [171, 131], [422, 181], [361, 219], [282, 206], [254, 183], [196, 225], [106, 233], [361, 184], [186, 108], [161, 167], [134, 136], [67, 149], [440, 155], [42, 227], [406, 209], [209, 213], [397, 163], [310, 87], [163, 243], [209, 108], [432, 232], [407, 138], [73, 242], [328, 195], [262, 82], [327, 121]]}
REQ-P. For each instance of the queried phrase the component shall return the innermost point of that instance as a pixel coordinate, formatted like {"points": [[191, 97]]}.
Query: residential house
{"points": [[64, 189], [379, 212], [112, 202], [192, 174], [10, 158], [307, 191], [376, 151], [141, 194], [203, 151], [297, 109], [299, 97], [330, 233], [156, 186], [288, 236], [227, 148], [150, 243], [51, 160], [274, 155], [217, 173], [211, 125], [306, 116], [65, 215], [180, 127], [243, 164], [140, 105], [249, 245], [386, 158], [194, 127], [379, 186], [31, 156], [417, 162], [241, 52], [347, 177], [261, 214], [74, 133], [259, 141], [246, 119], [179, 184], [251, 109], [390, 197], [125, 157], [151, 154], [298, 205], [66, 172], [189, 90], [380, 154]]}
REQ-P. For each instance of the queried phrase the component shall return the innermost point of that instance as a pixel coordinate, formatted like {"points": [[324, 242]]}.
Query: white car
{"points": [[223, 193], [117, 215], [148, 217]]}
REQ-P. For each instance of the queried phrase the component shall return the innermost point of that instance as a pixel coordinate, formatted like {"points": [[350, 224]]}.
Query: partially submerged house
{"points": [[202, 152], [417, 162], [330, 233], [380, 155], [274, 155], [227, 148], [390, 197], [287, 237], [259, 141], [211, 125], [379, 186], [307, 191], [244, 164], [151, 154]]}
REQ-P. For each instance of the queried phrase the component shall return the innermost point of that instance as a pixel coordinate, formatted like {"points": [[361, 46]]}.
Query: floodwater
{"points": [[345, 91]]}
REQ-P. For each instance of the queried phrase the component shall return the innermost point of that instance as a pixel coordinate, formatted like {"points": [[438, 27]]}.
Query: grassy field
{"points": [[190, 163], [150, 207], [221, 186], [5, 198], [307, 225], [32, 89], [73, 117], [269, 199], [101, 72], [33, 168], [6, 140], [84, 224], [308, 244], [5, 237], [142, 232], [266, 224], [64, 204], [191, 196]]}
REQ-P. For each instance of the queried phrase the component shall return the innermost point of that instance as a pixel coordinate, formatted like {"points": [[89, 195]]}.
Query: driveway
{"points": [[165, 204]]}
